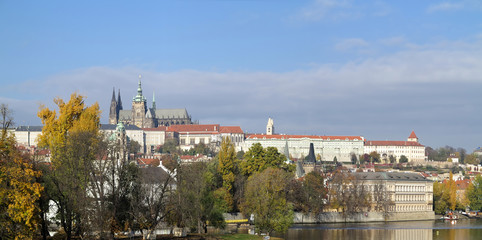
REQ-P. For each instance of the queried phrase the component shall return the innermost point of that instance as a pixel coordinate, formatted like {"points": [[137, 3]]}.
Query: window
{"points": [[201, 140], [191, 141], [183, 141]]}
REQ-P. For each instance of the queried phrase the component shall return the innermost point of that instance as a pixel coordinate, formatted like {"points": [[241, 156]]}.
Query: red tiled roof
{"points": [[392, 143], [230, 129], [412, 135], [148, 161], [278, 136], [160, 128], [462, 184], [194, 128]]}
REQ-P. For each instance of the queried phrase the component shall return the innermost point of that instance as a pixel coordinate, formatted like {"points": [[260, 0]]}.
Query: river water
{"points": [[414, 230]]}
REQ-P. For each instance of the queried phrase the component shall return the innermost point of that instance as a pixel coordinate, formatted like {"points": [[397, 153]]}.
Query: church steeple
{"points": [[154, 101], [114, 113], [119, 101], [139, 97], [113, 95]]}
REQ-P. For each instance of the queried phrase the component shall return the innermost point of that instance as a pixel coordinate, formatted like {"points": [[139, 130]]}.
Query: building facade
{"points": [[407, 192], [326, 148], [412, 149], [143, 116]]}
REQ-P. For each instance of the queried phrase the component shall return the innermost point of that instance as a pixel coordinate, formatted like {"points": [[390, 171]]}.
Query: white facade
{"points": [[154, 137], [408, 192], [412, 149], [326, 147], [28, 135]]}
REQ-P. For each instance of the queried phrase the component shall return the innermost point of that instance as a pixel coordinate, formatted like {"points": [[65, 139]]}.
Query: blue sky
{"points": [[378, 69]]}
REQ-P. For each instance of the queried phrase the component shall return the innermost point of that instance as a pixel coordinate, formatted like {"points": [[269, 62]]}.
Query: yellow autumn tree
{"points": [[452, 187], [72, 135], [19, 191]]}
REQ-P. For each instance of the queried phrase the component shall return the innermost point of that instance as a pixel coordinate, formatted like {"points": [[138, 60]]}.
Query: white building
{"points": [[154, 137], [407, 192], [326, 147], [190, 135], [28, 135], [411, 148]]}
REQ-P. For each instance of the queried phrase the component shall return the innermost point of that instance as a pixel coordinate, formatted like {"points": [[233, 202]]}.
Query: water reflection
{"points": [[423, 230]]}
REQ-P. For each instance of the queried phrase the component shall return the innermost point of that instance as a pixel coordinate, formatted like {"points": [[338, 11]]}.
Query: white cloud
{"points": [[411, 89], [336, 10], [321, 9], [351, 43], [445, 6]]}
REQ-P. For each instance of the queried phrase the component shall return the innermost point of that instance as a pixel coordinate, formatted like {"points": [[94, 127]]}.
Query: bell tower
{"points": [[139, 107], [270, 127]]}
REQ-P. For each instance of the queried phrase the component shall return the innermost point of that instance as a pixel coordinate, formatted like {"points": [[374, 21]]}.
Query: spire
{"points": [[139, 97], [119, 101], [154, 101], [113, 95], [311, 155]]}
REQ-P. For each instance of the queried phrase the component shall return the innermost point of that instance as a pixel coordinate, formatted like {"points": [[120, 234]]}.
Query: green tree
{"points": [[374, 157], [253, 159], [393, 159], [194, 202], [403, 159], [72, 137], [134, 147], [19, 191], [257, 159], [265, 198], [226, 167], [316, 192], [471, 159], [170, 146], [474, 193], [354, 159]]}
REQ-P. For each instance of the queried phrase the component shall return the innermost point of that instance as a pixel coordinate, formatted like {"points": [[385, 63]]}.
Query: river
{"points": [[414, 230]]}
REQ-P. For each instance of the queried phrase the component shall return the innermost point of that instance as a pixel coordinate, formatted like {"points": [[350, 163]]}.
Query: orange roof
{"points": [[412, 135], [392, 143], [148, 161], [230, 129], [462, 184], [194, 128], [278, 136], [160, 128]]}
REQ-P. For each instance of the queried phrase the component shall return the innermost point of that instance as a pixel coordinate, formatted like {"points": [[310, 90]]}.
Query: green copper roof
{"points": [[139, 97]]}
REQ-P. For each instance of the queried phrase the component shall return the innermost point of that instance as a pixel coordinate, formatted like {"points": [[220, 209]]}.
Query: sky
{"points": [[377, 69]]}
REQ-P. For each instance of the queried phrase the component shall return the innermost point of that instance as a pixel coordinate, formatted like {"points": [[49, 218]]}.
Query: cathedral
{"points": [[143, 116]]}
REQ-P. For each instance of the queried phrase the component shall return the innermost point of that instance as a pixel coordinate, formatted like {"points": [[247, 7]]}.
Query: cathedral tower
{"points": [[139, 107], [114, 113]]}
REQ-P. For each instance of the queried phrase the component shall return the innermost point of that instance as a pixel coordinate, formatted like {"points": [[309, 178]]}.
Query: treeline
{"points": [[445, 196], [447, 153]]}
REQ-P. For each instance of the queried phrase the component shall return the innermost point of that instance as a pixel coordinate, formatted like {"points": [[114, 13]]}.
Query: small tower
{"points": [[153, 101], [114, 113], [412, 137], [270, 127], [139, 107], [119, 102]]}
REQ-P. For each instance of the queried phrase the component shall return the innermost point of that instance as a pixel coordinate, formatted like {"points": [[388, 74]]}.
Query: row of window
{"points": [[405, 188], [413, 208], [409, 198]]}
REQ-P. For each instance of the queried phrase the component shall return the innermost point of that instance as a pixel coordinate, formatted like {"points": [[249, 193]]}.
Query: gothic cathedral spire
{"points": [[113, 114]]}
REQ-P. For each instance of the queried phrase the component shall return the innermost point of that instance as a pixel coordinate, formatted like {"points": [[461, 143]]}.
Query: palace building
{"points": [[143, 116]]}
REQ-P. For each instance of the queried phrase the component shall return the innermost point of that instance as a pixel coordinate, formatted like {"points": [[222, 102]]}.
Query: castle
{"points": [[143, 116]]}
